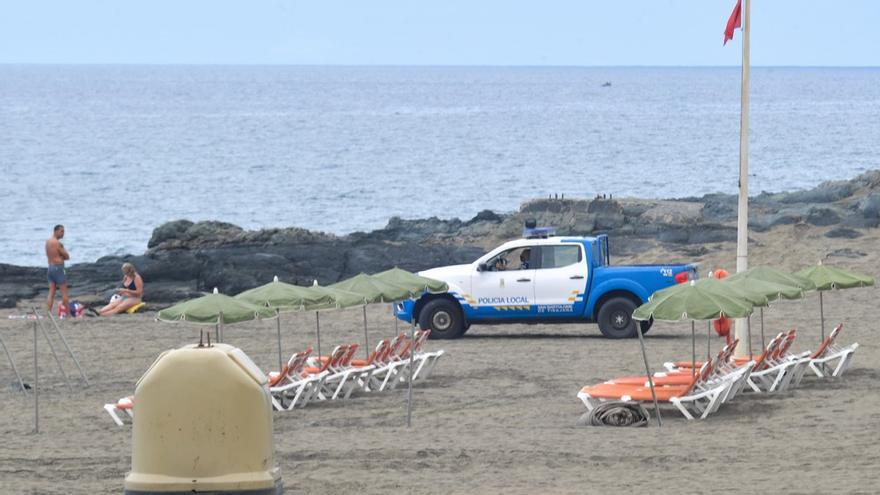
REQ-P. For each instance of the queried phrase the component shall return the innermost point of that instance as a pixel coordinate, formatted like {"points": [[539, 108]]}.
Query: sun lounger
{"points": [[125, 404], [828, 352], [339, 372], [310, 382], [357, 375], [681, 376], [425, 361], [775, 369], [689, 399], [385, 366], [293, 386], [698, 394]]}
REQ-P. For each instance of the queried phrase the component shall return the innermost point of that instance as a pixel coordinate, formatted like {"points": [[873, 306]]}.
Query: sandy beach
{"points": [[500, 412]]}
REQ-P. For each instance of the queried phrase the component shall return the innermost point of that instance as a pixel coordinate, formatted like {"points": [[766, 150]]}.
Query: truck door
{"points": [[506, 287], [561, 280]]}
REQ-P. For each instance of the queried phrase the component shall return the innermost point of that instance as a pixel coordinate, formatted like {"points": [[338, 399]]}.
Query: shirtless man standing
{"points": [[56, 254]]}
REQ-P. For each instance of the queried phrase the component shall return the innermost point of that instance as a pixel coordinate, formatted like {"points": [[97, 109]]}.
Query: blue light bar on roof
{"points": [[538, 232]]}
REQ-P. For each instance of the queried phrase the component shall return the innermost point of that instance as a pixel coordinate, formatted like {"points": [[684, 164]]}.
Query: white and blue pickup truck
{"points": [[542, 278]]}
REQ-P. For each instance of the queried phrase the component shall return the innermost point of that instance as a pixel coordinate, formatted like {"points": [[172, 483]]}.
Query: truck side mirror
{"points": [[482, 267]]}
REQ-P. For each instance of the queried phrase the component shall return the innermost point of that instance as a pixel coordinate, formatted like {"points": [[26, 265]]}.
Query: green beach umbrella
{"points": [[828, 278], [717, 299], [373, 290], [706, 299], [416, 284], [770, 274], [281, 297], [215, 309], [337, 299], [285, 297], [772, 283]]}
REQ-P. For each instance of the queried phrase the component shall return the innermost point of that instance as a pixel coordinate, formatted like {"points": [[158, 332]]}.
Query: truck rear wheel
{"points": [[443, 317], [615, 318]]}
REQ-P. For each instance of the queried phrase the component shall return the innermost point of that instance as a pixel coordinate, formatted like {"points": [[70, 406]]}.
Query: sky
{"points": [[436, 32]]}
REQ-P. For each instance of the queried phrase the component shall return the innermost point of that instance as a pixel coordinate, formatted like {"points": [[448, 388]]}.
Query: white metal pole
{"points": [[693, 349], [278, 328], [51, 347], [366, 340], [14, 369], [409, 378], [649, 374], [742, 221], [69, 351], [36, 382], [708, 340], [318, 331]]}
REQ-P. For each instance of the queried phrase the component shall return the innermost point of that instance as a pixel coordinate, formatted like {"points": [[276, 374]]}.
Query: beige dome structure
{"points": [[203, 423]]}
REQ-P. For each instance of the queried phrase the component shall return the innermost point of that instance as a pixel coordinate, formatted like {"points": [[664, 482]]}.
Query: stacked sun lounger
{"points": [[338, 375], [699, 389], [305, 378]]}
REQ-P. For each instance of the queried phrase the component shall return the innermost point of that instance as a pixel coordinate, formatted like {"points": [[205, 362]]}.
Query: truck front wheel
{"points": [[443, 317], [615, 318]]}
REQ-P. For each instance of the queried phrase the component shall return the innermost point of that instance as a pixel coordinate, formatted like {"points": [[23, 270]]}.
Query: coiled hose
{"points": [[619, 414]]}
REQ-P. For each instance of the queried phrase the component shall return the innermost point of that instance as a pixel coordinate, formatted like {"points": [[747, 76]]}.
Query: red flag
{"points": [[734, 22]]}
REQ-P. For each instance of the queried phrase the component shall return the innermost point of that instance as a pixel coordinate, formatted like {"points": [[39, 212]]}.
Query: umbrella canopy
{"points": [[373, 289], [705, 299], [215, 309], [770, 290], [773, 284], [337, 298], [282, 296], [416, 284], [827, 277], [768, 274]]}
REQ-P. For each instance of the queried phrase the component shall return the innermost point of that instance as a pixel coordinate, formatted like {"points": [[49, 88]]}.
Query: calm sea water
{"points": [[114, 151]]}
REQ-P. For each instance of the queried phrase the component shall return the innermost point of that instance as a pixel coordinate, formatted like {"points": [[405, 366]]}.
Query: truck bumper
{"points": [[404, 310]]}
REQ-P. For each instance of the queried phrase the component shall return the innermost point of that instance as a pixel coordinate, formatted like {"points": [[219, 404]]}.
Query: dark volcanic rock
{"points": [[185, 258], [843, 232]]}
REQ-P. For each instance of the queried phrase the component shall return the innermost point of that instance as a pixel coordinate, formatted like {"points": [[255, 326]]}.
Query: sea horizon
{"points": [[114, 150]]}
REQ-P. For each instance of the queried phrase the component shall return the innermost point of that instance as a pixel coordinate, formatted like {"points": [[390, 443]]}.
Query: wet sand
{"points": [[500, 412]]}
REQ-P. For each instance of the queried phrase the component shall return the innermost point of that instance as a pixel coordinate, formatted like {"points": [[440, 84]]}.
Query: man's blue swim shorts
{"points": [[56, 274]]}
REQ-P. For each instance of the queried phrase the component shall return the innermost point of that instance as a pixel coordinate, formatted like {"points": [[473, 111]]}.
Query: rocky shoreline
{"points": [[185, 258]]}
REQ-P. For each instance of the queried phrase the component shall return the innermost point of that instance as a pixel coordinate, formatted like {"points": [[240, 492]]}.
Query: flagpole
{"points": [[742, 221]]}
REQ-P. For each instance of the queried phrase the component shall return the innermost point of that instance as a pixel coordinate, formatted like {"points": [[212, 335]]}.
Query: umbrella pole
{"points": [[822, 316], [693, 351], [69, 351], [412, 349], [318, 331], [749, 335], [278, 327], [366, 340], [36, 383], [51, 347], [648, 372], [708, 340], [762, 328], [14, 369]]}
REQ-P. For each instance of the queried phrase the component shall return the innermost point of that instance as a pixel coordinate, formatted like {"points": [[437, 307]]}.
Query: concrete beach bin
{"points": [[203, 424]]}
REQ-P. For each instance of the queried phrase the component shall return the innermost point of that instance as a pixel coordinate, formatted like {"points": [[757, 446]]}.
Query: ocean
{"points": [[112, 152]]}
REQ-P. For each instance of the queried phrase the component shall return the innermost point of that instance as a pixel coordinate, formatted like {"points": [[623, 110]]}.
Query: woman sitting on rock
{"points": [[129, 294]]}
